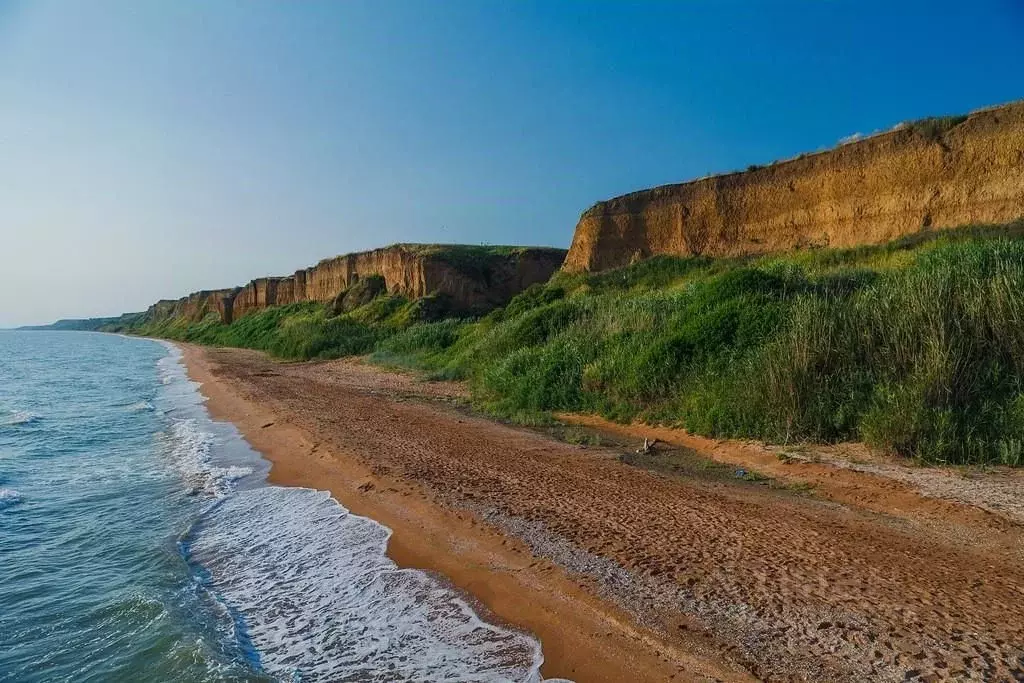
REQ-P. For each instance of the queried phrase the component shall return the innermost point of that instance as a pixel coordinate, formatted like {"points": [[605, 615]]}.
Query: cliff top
{"points": [[451, 251], [932, 129]]}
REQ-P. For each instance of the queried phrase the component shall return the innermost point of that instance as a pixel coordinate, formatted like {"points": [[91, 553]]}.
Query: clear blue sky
{"points": [[149, 149]]}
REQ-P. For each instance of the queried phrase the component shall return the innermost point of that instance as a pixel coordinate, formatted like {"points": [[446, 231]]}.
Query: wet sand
{"points": [[651, 571]]}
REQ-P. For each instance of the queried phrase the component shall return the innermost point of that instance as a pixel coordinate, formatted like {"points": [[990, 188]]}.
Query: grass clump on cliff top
{"points": [[456, 252], [935, 127], [476, 261]]}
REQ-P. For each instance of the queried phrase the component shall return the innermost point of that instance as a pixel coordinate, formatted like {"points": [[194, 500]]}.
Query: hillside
{"points": [[914, 346], [344, 305], [90, 324], [471, 279], [771, 304], [931, 174]]}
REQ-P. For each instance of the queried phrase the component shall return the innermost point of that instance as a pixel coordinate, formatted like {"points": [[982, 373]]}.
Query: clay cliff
{"points": [[474, 279], [935, 173]]}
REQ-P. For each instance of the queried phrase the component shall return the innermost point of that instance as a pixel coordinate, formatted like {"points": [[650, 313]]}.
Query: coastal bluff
{"points": [[472, 278], [930, 174]]}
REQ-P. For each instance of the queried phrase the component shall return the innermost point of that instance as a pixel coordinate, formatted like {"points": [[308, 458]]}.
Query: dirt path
{"points": [[837, 586]]}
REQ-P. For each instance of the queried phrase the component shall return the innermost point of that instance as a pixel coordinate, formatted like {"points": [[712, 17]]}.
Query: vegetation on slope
{"points": [[91, 324], [297, 332], [916, 347]]}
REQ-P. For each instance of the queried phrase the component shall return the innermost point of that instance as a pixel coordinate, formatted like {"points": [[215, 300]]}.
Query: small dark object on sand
{"points": [[647, 447]]}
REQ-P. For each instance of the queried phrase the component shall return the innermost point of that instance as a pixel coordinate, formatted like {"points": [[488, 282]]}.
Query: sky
{"points": [[150, 148]]}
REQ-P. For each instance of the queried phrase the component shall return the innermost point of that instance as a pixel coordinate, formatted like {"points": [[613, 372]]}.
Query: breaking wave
{"points": [[318, 598], [20, 417], [307, 587], [9, 497], [190, 453]]}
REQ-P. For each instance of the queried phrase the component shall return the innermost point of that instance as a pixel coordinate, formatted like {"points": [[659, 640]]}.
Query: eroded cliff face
{"points": [[475, 279], [920, 177], [195, 306]]}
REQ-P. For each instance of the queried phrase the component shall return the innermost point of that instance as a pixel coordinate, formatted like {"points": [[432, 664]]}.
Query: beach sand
{"points": [[651, 571]]}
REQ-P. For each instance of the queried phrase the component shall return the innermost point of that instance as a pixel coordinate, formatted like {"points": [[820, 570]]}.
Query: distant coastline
{"points": [[89, 324]]}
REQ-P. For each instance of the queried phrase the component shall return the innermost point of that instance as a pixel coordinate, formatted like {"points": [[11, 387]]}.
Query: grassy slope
{"points": [[916, 347], [90, 324]]}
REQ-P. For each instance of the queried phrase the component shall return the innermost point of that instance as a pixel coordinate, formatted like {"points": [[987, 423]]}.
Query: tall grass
{"points": [[296, 332], [916, 347]]}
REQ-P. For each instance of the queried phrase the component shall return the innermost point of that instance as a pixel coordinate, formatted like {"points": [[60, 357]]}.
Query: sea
{"points": [[140, 541]]}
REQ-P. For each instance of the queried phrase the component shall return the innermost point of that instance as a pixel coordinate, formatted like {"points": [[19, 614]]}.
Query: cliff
{"points": [[935, 173], [475, 279]]}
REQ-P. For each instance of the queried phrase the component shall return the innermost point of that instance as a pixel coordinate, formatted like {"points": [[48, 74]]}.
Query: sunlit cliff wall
{"points": [[474, 279], [918, 177]]}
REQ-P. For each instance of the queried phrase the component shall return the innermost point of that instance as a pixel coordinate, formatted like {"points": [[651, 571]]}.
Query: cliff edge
{"points": [[935, 173], [475, 279]]}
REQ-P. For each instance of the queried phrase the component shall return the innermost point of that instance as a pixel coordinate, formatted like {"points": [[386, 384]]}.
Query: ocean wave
{"points": [[141, 407], [190, 453], [304, 590], [169, 367], [166, 370], [319, 599], [9, 497], [132, 607], [20, 417]]}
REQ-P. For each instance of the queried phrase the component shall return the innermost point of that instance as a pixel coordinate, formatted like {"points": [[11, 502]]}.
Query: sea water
{"points": [[139, 541]]}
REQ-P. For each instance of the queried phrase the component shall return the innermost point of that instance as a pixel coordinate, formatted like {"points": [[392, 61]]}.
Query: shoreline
{"points": [[583, 637], [662, 566]]}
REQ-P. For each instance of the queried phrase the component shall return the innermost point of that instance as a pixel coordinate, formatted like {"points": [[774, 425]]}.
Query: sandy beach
{"points": [[655, 566]]}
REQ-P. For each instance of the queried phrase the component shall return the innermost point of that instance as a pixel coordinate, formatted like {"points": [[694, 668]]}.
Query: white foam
{"points": [[169, 367], [9, 497], [190, 454], [309, 588], [321, 601], [140, 407], [21, 417]]}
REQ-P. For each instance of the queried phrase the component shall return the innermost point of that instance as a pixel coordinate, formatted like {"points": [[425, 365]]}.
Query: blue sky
{"points": [[150, 149]]}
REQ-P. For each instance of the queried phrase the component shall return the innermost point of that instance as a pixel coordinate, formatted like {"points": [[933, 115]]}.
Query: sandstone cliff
{"points": [[474, 278], [932, 174]]}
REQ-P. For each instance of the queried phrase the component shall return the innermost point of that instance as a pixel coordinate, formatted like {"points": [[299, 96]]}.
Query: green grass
{"points": [[296, 332], [916, 347]]}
